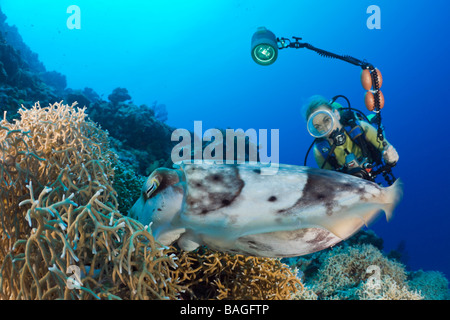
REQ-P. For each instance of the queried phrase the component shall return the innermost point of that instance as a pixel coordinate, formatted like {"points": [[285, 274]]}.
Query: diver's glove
{"points": [[390, 155]]}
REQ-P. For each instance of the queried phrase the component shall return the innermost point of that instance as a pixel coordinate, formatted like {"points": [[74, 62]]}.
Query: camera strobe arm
{"points": [[286, 43]]}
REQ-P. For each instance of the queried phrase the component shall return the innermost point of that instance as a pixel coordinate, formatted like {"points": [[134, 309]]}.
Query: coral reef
{"points": [[11, 35], [310, 264], [433, 285], [344, 269], [59, 215], [399, 253], [139, 130], [65, 186], [364, 236], [214, 275], [356, 272], [119, 95], [357, 269], [127, 184], [160, 111], [141, 140], [386, 289], [23, 78]]}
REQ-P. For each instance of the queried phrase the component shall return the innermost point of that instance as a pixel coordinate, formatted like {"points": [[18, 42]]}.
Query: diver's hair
{"points": [[315, 102]]}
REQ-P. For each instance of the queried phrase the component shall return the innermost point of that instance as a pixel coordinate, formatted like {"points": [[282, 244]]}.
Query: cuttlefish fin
{"points": [[188, 241], [344, 227], [168, 237], [345, 224], [394, 194]]}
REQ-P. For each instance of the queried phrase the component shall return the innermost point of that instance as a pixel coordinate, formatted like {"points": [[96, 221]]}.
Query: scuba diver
{"points": [[346, 141]]}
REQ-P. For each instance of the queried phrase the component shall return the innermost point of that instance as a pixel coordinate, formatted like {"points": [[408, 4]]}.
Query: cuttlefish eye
{"points": [[151, 187]]}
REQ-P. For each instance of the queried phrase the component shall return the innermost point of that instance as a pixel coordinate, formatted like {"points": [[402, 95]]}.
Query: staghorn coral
{"points": [[59, 213], [214, 275]]}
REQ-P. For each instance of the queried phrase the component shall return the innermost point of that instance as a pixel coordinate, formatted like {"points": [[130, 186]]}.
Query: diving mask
{"points": [[320, 123]]}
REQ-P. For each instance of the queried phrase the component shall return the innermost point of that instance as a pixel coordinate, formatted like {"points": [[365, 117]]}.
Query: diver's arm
{"points": [[372, 136], [389, 153], [320, 160]]}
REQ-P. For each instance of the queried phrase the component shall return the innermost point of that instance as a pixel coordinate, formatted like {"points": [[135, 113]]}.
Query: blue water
{"points": [[194, 56]]}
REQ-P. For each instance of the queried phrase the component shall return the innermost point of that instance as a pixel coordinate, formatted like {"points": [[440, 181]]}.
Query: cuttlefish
{"points": [[238, 209]]}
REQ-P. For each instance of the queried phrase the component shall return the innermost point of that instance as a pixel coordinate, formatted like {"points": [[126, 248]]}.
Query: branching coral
{"points": [[348, 273], [213, 275], [306, 294], [386, 289], [63, 237], [59, 214]]}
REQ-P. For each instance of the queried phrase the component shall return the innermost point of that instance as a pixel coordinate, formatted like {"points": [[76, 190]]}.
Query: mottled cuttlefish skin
{"points": [[237, 209]]}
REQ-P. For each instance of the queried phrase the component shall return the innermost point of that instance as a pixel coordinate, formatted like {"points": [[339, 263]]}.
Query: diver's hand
{"points": [[390, 155]]}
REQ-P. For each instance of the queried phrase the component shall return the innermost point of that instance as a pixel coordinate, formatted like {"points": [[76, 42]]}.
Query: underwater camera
{"points": [[361, 169]]}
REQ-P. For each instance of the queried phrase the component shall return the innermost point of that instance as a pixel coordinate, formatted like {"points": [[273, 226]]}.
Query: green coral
{"points": [[127, 184]]}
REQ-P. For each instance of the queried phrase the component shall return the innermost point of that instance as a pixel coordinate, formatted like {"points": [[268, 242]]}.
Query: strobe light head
{"points": [[264, 49]]}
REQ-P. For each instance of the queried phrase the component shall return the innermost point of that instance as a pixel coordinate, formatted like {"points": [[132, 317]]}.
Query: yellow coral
{"points": [[214, 275], [59, 212]]}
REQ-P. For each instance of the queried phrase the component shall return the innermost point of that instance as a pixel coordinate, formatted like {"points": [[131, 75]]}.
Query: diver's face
{"points": [[323, 121]]}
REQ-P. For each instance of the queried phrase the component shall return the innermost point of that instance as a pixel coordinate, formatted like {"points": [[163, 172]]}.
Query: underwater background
{"points": [[192, 59]]}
